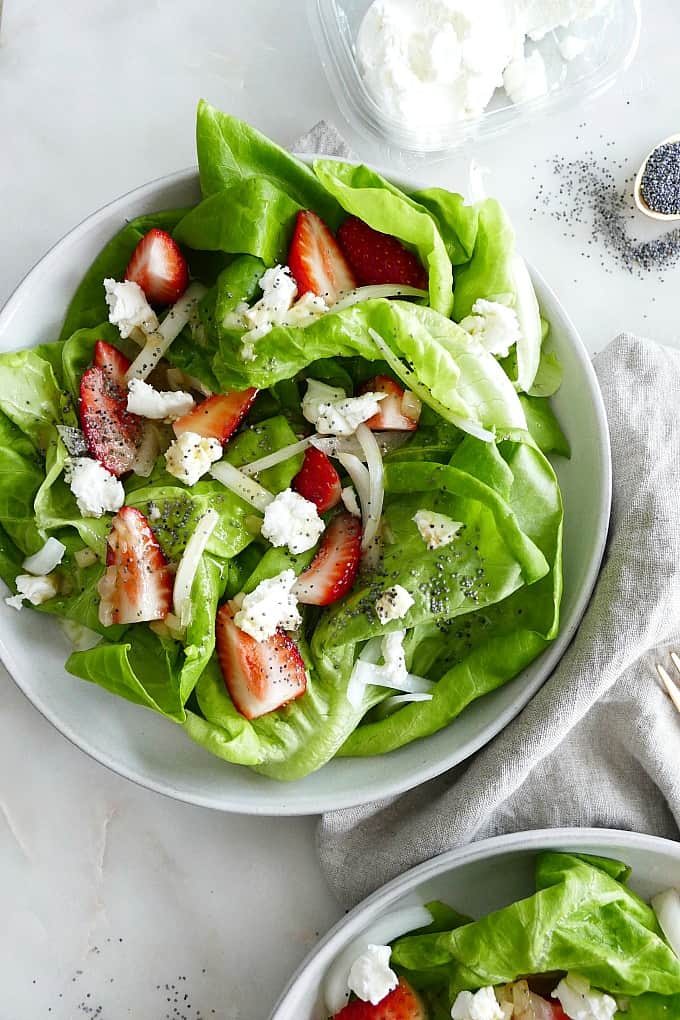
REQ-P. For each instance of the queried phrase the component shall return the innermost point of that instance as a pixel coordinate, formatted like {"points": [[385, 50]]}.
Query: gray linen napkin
{"points": [[599, 744]]}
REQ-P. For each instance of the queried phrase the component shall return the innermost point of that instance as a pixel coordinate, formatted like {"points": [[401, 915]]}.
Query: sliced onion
{"points": [[382, 932], [80, 636], [179, 380], [378, 290], [333, 446], [86, 558], [147, 452], [411, 405], [172, 325], [245, 487], [277, 457], [46, 559], [410, 379], [74, 440], [376, 494], [188, 565], [666, 906], [368, 673], [395, 701], [358, 472]]}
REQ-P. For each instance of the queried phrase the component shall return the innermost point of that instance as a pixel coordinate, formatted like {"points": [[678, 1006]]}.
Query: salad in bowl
{"points": [[284, 474], [584, 946]]}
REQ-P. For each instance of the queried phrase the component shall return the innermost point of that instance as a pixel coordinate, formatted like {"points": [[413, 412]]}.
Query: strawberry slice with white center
{"points": [[111, 432], [333, 570], [261, 676], [403, 1003], [218, 417], [137, 585], [112, 362], [318, 481], [160, 269], [316, 260], [377, 258], [400, 409]]}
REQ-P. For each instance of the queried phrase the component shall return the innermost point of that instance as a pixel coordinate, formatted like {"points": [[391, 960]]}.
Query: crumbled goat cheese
{"points": [[394, 604], [190, 456], [148, 402], [269, 606], [479, 1005], [333, 412], [495, 326], [371, 977], [97, 491], [292, 520], [35, 589], [581, 1002], [436, 530], [128, 308]]}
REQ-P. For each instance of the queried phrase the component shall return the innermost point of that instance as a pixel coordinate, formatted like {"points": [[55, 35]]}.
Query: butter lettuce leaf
{"points": [[364, 193]]}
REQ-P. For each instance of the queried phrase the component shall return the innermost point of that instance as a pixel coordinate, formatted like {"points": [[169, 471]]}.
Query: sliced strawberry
{"points": [[316, 261], [137, 584], [112, 362], [318, 481], [379, 258], [159, 268], [111, 432], [333, 570], [400, 409], [401, 1004], [217, 417], [261, 676]]}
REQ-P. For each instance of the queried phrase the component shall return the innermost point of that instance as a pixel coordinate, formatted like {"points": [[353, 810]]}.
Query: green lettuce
{"points": [[464, 382], [364, 193], [253, 217], [457, 221], [580, 919], [230, 151]]}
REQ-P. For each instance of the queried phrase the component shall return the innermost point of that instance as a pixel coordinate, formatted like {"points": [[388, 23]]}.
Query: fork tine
{"points": [[672, 689], [675, 658]]}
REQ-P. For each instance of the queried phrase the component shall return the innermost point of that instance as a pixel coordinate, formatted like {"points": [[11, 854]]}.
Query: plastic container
{"points": [[612, 40]]}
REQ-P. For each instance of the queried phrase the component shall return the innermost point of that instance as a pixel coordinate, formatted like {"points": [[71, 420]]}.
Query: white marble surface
{"points": [[109, 892]]}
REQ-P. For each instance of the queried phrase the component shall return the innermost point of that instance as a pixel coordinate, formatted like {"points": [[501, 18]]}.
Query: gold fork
{"points": [[671, 685]]}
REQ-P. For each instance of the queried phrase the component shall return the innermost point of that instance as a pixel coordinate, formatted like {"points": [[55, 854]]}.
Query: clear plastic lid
{"points": [[610, 37]]}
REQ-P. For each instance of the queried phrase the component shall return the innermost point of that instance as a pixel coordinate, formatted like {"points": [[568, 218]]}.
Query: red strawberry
{"points": [[111, 432], [395, 412], [217, 417], [379, 258], [112, 362], [315, 260], [333, 570], [318, 481], [159, 268], [401, 1004], [137, 584], [261, 676]]}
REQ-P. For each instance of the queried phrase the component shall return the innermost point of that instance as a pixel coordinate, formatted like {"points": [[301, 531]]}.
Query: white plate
{"points": [[477, 879], [150, 750]]}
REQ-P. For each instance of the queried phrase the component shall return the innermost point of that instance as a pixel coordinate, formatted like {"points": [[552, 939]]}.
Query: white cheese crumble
{"points": [[148, 402], [371, 977], [581, 1002], [97, 491], [269, 606], [292, 520], [394, 657], [525, 77], [46, 559], [35, 589], [571, 47], [479, 1005], [190, 456], [433, 62], [495, 326], [333, 412], [128, 307], [394, 604], [276, 307], [436, 530], [349, 498]]}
